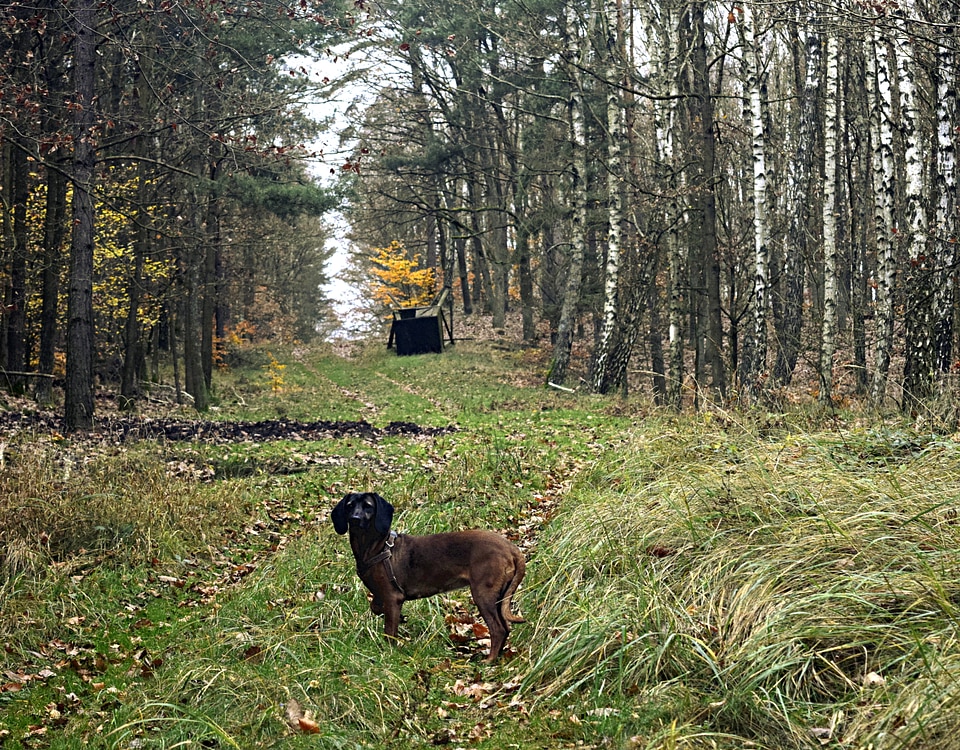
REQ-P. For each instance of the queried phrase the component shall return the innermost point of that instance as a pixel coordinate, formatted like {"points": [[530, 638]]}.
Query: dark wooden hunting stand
{"points": [[420, 330]]}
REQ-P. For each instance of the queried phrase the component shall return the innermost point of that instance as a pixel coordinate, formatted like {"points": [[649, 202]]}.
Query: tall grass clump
{"points": [[64, 506], [792, 589]]}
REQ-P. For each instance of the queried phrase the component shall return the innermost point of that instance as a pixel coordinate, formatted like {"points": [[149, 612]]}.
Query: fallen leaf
{"points": [[474, 690], [308, 725]]}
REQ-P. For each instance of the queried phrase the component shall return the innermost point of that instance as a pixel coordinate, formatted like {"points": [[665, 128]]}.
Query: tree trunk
{"points": [[611, 276], [799, 181], [78, 396], [129, 375], [53, 233], [208, 288], [830, 285], [881, 128], [857, 174], [192, 363], [655, 341], [755, 349], [459, 242], [498, 255], [570, 303], [946, 186], [918, 369], [665, 123], [17, 301], [479, 255], [526, 282], [711, 321]]}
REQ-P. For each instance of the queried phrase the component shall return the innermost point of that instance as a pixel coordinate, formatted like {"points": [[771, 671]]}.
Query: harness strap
{"points": [[384, 557]]}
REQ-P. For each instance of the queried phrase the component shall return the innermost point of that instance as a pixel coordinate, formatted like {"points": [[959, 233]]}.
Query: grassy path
{"points": [[712, 580], [234, 570]]}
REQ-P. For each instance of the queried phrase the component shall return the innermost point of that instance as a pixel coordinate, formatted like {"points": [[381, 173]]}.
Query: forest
{"points": [[722, 190], [711, 195], [701, 262]]}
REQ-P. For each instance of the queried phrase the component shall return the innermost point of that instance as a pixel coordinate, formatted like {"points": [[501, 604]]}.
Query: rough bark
{"points": [[578, 169], [918, 369], [17, 299], [710, 319], [129, 374], [799, 182], [611, 275], [53, 233], [881, 126], [830, 282], [78, 395], [755, 354], [946, 188], [665, 127]]}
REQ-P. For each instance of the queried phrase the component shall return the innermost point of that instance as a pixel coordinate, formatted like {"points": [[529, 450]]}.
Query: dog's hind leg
{"points": [[506, 595], [493, 601], [487, 600]]}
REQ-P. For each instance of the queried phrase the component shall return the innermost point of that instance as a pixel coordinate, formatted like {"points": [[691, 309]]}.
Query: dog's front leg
{"points": [[391, 616]]}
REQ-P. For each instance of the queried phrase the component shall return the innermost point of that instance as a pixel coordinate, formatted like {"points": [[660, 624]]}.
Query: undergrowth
{"points": [[710, 580]]}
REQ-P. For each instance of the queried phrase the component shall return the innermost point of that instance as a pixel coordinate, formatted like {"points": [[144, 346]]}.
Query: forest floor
{"points": [[764, 578]]}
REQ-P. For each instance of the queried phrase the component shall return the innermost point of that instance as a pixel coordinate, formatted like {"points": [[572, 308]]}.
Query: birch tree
{"points": [[611, 14], [945, 233], [919, 355], [578, 191], [830, 285], [755, 354], [880, 91]]}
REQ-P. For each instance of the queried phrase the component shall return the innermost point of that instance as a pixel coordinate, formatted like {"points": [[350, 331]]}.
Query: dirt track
{"points": [[120, 429]]}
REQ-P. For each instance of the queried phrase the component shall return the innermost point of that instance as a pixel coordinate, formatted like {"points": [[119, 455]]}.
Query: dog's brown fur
{"points": [[421, 566]]}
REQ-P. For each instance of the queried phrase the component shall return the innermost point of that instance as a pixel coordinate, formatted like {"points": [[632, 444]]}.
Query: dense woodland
{"points": [[722, 189], [707, 192], [155, 188]]}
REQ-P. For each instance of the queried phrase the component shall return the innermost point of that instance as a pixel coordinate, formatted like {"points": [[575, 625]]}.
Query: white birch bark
{"points": [[946, 186], [918, 365], [830, 285], [755, 354], [881, 129], [578, 241], [665, 121], [614, 200]]}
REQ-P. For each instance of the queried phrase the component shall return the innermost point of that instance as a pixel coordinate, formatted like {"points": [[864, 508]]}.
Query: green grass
{"points": [[698, 581]]}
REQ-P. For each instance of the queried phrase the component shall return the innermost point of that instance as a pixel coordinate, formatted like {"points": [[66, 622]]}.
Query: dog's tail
{"points": [[519, 569]]}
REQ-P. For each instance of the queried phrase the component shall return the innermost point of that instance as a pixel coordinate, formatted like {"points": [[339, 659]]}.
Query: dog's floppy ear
{"points": [[384, 516], [339, 516]]}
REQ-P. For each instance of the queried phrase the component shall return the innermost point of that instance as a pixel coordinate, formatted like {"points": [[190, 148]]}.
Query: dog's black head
{"points": [[359, 509]]}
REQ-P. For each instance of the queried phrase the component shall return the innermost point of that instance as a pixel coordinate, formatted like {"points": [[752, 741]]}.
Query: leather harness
{"points": [[384, 557]]}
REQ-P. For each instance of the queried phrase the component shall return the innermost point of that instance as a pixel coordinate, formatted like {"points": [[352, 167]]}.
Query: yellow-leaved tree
{"points": [[400, 280]]}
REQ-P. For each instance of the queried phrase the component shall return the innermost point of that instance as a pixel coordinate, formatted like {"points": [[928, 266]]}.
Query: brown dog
{"points": [[396, 567]]}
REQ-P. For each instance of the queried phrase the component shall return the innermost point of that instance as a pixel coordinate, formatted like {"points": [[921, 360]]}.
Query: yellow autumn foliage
{"points": [[400, 279], [113, 258]]}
